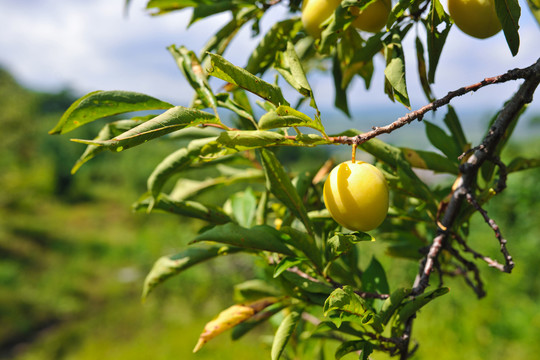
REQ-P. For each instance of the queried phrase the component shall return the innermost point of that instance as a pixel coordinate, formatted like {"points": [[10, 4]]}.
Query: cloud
{"points": [[89, 45]]}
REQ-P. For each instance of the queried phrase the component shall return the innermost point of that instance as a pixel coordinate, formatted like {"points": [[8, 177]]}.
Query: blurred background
{"points": [[73, 256]]}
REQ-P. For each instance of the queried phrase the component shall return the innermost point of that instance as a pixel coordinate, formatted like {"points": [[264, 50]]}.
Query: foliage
{"points": [[309, 264]]}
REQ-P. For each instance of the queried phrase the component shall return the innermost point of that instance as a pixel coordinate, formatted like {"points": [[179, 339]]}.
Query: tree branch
{"points": [[514, 74], [469, 170]]}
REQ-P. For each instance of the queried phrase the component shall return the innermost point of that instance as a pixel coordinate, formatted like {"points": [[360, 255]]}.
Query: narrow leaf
{"points": [[244, 205], [193, 209], [231, 317], [109, 131], [453, 124], [305, 243], [173, 119], [286, 263], [257, 319], [395, 70], [278, 182], [391, 304], [191, 68], [176, 162], [289, 66], [348, 347], [534, 6], [508, 12], [260, 237], [412, 306], [240, 77], [100, 104], [168, 266], [438, 26], [421, 159], [442, 141], [273, 42], [374, 279], [283, 334]]}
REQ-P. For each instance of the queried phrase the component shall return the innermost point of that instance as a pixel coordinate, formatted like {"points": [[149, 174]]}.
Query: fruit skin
{"points": [[476, 18], [356, 195], [315, 12], [372, 18]]}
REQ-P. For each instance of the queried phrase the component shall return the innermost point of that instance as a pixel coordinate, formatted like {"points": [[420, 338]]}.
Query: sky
{"points": [[90, 45]]}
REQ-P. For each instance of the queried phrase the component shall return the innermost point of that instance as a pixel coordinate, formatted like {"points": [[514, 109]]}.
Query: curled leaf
{"points": [[231, 317]]}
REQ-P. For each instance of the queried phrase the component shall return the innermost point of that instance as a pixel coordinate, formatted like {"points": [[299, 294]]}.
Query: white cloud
{"points": [[90, 45]]}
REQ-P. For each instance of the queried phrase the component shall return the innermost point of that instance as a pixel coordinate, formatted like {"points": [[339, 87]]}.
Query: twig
{"points": [[470, 266], [514, 74], [477, 255], [469, 171], [502, 241]]}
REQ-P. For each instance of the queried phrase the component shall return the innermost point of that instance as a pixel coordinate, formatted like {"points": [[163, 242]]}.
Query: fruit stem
{"points": [[354, 152]]}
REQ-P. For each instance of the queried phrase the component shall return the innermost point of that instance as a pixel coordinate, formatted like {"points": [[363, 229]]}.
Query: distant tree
{"points": [[309, 262]]}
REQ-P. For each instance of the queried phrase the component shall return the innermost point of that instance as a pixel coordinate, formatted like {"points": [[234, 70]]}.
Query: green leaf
{"points": [[412, 306], [260, 237], [214, 7], [436, 35], [274, 41], [165, 6], [187, 188], [422, 72], [286, 116], [193, 72], [397, 11], [221, 68], [175, 163], [339, 21], [340, 244], [395, 70], [173, 119], [283, 333], [421, 159], [454, 125], [521, 163], [210, 213], [534, 6], [168, 266], [442, 141], [307, 284], [100, 104], [508, 12], [391, 304], [219, 42], [287, 263], [348, 347], [374, 278], [305, 243], [345, 305], [355, 58], [340, 96], [254, 289], [289, 66], [109, 131], [244, 205], [278, 182], [254, 139]]}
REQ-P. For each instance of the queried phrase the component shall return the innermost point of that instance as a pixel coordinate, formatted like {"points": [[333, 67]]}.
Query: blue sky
{"points": [[90, 45]]}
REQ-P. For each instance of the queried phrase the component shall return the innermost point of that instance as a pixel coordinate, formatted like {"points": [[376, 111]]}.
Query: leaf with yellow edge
{"points": [[231, 317]]}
